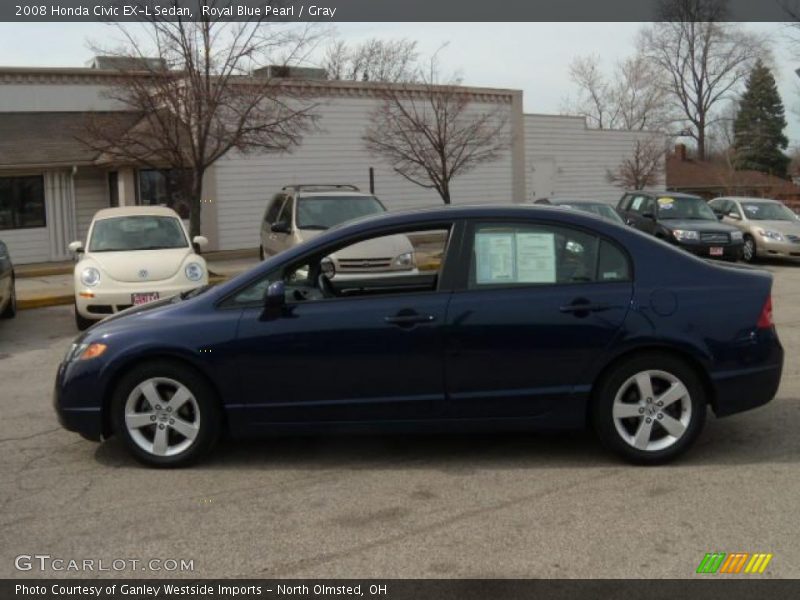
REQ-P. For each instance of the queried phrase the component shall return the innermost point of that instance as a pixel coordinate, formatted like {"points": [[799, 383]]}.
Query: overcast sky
{"points": [[533, 57]]}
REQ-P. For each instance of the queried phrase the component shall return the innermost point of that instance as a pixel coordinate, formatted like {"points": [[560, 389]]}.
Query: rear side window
{"points": [[513, 255]]}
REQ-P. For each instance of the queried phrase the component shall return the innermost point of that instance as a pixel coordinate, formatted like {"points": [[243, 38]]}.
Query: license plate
{"points": [[716, 251], [143, 298]]}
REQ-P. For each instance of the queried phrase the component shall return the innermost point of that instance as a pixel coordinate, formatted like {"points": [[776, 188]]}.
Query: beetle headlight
{"points": [[685, 234], [194, 271], [404, 261], [90, 277], [771, 235]]}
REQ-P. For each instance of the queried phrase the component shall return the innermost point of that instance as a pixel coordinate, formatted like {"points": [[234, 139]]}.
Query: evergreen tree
{"points": [[759, 140]]}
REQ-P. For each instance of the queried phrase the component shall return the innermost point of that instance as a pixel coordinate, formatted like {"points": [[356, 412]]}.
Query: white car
{"points": [[133, 255]]}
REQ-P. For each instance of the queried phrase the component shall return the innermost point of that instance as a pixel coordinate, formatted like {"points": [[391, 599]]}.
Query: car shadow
{"points": [[753, 438]]}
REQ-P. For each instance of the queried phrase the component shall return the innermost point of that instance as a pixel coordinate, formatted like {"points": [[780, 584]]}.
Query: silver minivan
{"points": [[299, 212]]}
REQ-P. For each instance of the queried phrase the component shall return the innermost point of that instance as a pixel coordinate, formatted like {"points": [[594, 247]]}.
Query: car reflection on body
{"points": [[513, 330]]}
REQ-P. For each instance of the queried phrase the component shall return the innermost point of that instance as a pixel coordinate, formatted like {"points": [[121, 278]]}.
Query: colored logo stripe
{"points": [[734, 563], [758, 563], [711, 562]]}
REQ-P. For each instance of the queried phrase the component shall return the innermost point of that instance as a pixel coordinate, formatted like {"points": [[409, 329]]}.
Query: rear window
{"points": [[324, 212]]}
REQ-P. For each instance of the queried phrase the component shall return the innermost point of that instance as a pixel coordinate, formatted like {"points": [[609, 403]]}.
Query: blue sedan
{"points": [[516, 318]]}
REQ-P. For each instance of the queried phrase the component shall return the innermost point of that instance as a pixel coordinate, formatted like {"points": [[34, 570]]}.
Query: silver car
{"points": [[769, 227], [301, 212]]}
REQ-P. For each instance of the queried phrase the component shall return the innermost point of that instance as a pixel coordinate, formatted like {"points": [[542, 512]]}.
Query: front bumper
{"points": [[766, 247], [365, 276], [72, 412], [730, 251], [108, 302]]}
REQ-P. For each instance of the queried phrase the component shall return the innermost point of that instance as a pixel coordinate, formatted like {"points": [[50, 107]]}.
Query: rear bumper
{"points": [[750, 386]]}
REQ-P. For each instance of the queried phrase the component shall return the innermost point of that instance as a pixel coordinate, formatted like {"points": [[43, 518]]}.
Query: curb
{"points": [[60, 300]]}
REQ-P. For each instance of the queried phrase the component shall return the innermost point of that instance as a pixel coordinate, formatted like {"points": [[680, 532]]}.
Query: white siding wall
{"points": [[54, 97], [27, 245], [565, 159], [91, 194], [335, 155]]}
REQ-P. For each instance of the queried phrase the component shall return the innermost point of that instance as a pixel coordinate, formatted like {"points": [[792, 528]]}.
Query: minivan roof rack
{"points": [[321, 186]]}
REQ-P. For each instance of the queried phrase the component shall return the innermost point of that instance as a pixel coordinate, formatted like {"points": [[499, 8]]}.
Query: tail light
{"points": [[765, 318]]}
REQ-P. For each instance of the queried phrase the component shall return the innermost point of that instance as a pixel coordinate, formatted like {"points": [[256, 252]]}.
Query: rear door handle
{"points": [[585, 307], [407, 320]]}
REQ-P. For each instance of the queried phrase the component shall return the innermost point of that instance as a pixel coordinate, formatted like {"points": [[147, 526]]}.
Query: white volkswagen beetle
{"points": [[133, 255]]}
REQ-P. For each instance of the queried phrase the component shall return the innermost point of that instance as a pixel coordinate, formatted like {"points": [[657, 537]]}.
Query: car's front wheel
{"points": [[166, 413], [650, 408], [10, 311], [749, 252]]}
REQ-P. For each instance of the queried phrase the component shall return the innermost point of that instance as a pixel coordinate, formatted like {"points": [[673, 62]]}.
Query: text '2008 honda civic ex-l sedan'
{"points": [[519, 317]]}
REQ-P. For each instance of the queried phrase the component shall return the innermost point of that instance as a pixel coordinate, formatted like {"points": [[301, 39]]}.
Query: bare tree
{"points": [[643, 168], [431, 133], [372, 60], [701, 59], [191, 85], [630, 98]]}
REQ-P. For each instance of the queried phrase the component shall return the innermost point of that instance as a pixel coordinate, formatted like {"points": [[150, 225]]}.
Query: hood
{"points": [[309, 234], [129, 266], [697, 225], [786, 227]]}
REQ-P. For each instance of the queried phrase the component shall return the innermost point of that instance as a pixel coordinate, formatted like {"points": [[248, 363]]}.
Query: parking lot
{"points": [[510, 505]]}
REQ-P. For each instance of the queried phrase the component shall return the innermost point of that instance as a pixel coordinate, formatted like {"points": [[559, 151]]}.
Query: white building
{"points": [[51, 185]]}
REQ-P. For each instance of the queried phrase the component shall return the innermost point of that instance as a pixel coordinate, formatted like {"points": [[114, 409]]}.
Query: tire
{"points": [[148, 426], [10, 311], [81, 322], [749, 250], [620, 394]]}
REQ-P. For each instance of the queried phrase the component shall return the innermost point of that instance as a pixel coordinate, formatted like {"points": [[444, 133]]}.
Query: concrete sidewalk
{"points": [[54, 286]]}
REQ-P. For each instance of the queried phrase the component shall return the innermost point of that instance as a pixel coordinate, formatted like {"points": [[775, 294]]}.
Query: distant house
{"points": [[709, 180]]}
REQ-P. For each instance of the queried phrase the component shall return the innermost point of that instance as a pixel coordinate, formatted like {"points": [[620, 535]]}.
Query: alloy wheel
{"points": [[749, 250], [162, 416], [652, 410]]}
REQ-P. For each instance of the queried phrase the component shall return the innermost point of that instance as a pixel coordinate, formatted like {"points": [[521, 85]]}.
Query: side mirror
{"points": [[75, 247], [281, 227], [719, 215], [648, 215], [327, 267], [276, 295], [200, 240], [734, 215]]}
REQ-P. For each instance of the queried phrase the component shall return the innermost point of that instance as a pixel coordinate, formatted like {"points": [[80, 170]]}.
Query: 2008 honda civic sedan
{"points": [[518, 318]]}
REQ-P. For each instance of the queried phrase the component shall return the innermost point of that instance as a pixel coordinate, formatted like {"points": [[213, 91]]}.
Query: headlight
{"points": [[685, 234], [84, 351], [90, 277], [770, 235], [736, 236], [404, 261], [194, 272]]}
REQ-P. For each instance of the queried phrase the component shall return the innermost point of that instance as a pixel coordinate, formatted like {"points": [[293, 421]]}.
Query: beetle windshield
{"points": [[139, 232]]}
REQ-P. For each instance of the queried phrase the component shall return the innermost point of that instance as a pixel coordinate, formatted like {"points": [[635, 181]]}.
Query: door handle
{"points": [[585, 307], [407, 320]]}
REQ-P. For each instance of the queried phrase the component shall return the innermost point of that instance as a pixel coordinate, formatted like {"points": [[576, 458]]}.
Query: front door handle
{"points": [[409, 320]]}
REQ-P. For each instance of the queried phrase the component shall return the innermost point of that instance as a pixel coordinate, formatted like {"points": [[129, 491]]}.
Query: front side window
{"points": [[120, 234], [167, 187], [22, 202], [286, 214], [272, 212], [508, 255], [324, 212]]}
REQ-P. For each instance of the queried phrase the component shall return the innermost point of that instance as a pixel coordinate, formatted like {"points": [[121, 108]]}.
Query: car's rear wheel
{"points": [[166, 413], [10, 311], [749, 251], [81, 322], [650, 408]]}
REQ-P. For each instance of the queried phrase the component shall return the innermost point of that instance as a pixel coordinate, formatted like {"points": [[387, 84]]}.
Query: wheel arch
{"points": [[158, 358], [692, 361]]}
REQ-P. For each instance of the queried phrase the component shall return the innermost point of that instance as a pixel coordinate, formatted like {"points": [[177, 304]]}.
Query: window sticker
{"points": [[515, 258], [666, 202], [751, 208]]}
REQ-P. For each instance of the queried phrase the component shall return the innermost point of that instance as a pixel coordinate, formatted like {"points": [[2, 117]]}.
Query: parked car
{"points": [[133, 255], [601, 209], [536, 318], [8, 288], [682, 220], [768, 226], [301, 212]]}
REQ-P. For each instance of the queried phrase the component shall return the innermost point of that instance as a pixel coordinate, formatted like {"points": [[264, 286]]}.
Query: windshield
{"points": [[767, 211], [145, 232], [323, 212], [685, 209]]}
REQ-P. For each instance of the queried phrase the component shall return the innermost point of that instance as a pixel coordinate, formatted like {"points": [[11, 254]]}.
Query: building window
{"points": [[22, 202], [113, 189], [166, 188]]}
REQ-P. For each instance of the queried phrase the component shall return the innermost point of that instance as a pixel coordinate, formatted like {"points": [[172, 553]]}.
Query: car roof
{"points": [[334, 193], [557, 201], [135, 211], [750, 199], [665, 194]]}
